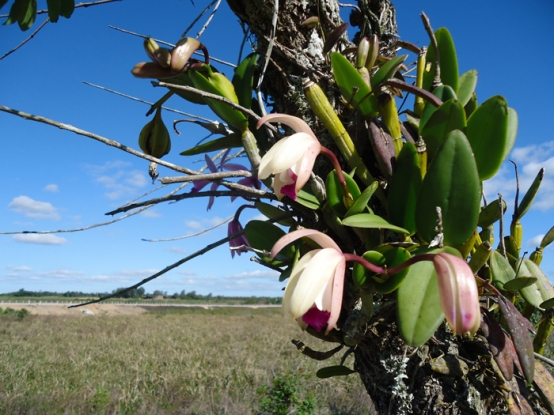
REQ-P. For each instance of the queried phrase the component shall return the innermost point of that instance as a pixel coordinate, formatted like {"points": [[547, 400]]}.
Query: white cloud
{"points": [[33, 208], [40, 239], [177, 250], [22, 268], [535, 241], [187, 272], [529, 160], [258, 274], [150, 213], [117, 178], [193, 224], [52, 188]]}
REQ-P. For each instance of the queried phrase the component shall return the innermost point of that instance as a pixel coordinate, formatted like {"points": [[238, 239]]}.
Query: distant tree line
{"points": [[140, 293]]}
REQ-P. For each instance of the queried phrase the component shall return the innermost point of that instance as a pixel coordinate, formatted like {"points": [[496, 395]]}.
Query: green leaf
{"points": [[227, 113], [184, 80], [3, 3], [67, 7], [362, 276], [448, 117], [231, 141], [419, 306], [543, 283], [274, 212], [335, 192], [444, 93], [307, 198], [26, 21], [54, 7], [393, 257], [487, 132], [448, 61], [471, 106], [519, 283], [387, 70], [404, 189], [19, 7], [512, 132], [352, 86], [501, 270], [530, 194], [531, 294], [263, 235], [491, 213], [466, 86], [370, 221], [452, 184], [331, 371], [548, 304], [243, 80], [361, 202], [548, 238]]}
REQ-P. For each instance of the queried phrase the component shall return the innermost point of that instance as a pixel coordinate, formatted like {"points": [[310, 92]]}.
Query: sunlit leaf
{"points": [[368, 220], [466, 86], [231, 141], [448, 61], [335, 192]]}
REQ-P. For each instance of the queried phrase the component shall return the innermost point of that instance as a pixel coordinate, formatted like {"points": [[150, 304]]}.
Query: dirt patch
{"points": [[62, 310]]}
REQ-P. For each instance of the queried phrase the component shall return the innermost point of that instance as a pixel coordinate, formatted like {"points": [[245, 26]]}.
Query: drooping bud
{"points": [[363, 50], [150, 47], [154, 137], [458, 291], [182, 52], [151, 70]]}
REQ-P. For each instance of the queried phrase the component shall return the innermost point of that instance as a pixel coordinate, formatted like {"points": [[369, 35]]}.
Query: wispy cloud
{"points": [[39, 239], [117, 178], [529, 160], [193, 224], [177, 250], [22, 268], [52, 188], [33, 208], [258, 274], [150, 213], [535, 241]]}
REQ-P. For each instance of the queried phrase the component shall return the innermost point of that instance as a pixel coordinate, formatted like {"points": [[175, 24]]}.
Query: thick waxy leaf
{"points": [[512, 131], [23, 12], [361, 202], [335, 192], [548, 304], [263, 235], [352, 86], [466, 86], [231, 141], [520, 336], [530, 195], [306, 198], [471, 106], [243, 79], [519, 283], [449, 61], [419, 305], [329, 372], [67, 8], [368, 220], [54, 7], [501, 270], [533, 294], [273, 212], [444, 93], [387, 71], [404, 189], [491, 213], [452, 184], [360, 275], [548, 238], [227, 113], [487, 132], [393, 257], [448, 117]]}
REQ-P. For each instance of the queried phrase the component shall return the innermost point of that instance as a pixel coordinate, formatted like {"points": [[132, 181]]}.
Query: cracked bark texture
{"points": [[448, 375]]}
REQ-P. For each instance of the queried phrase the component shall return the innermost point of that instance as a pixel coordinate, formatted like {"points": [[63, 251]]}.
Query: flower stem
{"points": [[331, 156]]}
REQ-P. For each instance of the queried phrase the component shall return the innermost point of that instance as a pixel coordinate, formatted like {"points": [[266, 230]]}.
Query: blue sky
{"points": [[52, 179]]}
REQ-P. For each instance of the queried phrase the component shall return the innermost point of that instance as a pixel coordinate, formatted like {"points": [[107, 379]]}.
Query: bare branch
{"points": [[190, 235], [243, 192], [209, 176], [96, 137], [270, 44], [26, 40], [202, 251], [168, 44], [93, 3], [209, 20], [147, 102]]}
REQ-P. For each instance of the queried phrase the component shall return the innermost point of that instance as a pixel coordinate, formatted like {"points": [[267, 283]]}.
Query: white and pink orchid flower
{"points": [[313, 295], [458, 292], [292, 158]]}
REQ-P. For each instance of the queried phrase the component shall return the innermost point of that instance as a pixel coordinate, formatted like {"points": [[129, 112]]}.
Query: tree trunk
{"points": [[448, 375]]}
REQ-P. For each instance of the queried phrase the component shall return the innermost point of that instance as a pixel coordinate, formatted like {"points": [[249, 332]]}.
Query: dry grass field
{"points": [[166, 362]]}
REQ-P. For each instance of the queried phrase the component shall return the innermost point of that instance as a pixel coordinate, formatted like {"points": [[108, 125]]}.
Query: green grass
{"points": [[167, 362]]}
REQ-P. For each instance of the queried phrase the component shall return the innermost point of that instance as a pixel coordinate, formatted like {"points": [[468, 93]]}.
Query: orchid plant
{"points": [[412, 237]]}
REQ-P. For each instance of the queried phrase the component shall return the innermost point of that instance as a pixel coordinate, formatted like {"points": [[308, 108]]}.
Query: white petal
{"points": [[293, 149], [293, 279], [266, 164], [317, 273]]}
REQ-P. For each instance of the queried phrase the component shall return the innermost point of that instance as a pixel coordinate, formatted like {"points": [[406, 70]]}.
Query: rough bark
{"points": [[448, 375]]}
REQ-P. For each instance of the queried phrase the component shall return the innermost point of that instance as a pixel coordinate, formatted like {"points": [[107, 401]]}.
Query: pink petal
{"points": [[320, 238], [293, 280], [336, 302], [297, 124]]}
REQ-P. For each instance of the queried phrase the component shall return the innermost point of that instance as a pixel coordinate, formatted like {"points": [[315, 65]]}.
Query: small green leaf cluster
{"points": [[283, 397], [24, 12]]}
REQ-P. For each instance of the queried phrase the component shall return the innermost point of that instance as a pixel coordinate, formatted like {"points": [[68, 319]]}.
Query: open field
{"points": [[185, 361]]}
